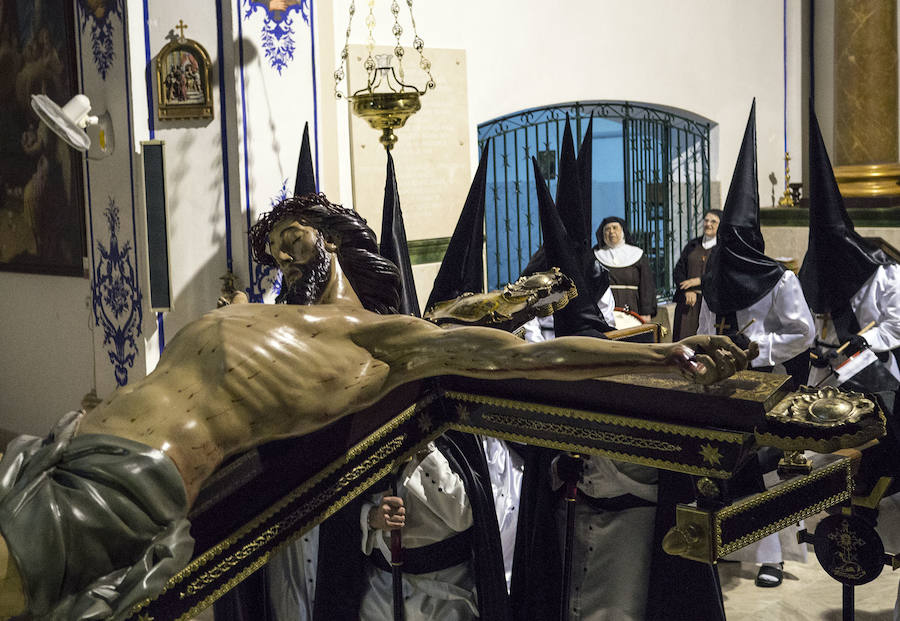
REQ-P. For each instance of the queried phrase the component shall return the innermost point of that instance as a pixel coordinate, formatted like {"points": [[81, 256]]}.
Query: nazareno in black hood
{"points": [[739, 273]]}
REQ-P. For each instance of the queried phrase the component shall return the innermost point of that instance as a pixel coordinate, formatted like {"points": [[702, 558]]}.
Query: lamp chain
{"points": [[370, 24], [397, 30], [345, 53], [419, 46]]}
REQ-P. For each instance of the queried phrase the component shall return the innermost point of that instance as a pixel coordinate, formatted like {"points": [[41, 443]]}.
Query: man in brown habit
{"points": [[93, 516]]}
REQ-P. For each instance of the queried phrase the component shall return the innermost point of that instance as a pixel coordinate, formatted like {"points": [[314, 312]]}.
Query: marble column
{"points": [[865, 98]]}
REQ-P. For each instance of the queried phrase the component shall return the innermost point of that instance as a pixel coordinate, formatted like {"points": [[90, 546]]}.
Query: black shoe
{"points": [[770, 576]]}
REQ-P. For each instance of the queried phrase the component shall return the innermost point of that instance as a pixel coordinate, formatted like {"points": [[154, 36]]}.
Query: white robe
{"points": [[783, 328], [877, 300], [612, 550], [437, 508], [292, 578], [506, 469]]}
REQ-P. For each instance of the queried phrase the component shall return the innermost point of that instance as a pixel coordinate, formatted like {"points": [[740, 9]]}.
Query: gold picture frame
{"points": [[182, 81]]}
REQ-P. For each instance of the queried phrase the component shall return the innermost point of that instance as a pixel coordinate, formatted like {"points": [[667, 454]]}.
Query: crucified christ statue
{"points": [[93, 517]]}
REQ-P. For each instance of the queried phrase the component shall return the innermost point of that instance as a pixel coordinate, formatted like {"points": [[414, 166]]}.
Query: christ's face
{"points": [[300, 253], [292, 245]]}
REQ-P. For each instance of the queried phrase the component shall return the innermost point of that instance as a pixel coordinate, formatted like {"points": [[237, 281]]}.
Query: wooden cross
{"points": [[181, 26], [721, 326]]}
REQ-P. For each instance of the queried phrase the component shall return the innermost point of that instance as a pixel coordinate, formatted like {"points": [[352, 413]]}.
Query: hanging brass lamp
{"points": [[387, 101]]}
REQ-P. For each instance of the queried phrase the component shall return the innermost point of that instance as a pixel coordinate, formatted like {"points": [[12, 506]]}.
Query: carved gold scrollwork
{"points": [[537, 295], [823, 407]]}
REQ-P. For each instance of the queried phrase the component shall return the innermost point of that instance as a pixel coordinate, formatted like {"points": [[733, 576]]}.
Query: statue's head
{"points": [[302, 234]]}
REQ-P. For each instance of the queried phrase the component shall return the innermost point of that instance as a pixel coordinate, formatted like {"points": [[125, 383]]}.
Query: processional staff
{"points": [[397, 556], [570, 476]]}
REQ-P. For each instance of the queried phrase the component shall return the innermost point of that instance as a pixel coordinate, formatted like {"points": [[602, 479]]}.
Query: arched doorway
{"points": [[650, 166]]}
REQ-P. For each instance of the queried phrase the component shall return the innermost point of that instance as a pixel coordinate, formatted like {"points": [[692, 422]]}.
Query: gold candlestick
{"points": [[787, 200]]}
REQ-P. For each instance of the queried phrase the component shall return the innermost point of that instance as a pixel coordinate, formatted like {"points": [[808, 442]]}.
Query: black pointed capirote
{"points": [[580, 317], [585, 170], [462, 268], [305, 181], [739, 274], [393, 244], [569, 202], [838, 260]]}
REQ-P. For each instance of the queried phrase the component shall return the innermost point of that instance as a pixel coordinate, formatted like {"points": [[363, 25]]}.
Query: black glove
{"points": [[569, 468], [740, 340], [820, 357], [856, 343]]}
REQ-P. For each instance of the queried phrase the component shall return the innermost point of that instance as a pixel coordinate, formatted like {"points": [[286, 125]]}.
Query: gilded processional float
{"points": [[270, 496]]}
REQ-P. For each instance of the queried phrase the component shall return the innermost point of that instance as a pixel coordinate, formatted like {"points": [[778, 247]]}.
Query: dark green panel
{"points": [[428, 250]]}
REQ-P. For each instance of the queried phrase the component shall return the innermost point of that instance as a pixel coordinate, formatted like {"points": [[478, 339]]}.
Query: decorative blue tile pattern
{"points": [[265, 277], [116, 298], [278, 30], [99, 14]]}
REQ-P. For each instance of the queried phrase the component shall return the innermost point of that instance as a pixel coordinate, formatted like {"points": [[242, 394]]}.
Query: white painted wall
{"points": [[709, 57], [45, 356], [195, 177]]}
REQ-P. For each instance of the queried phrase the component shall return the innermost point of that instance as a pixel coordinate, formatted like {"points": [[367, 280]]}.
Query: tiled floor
{"points": [[807, 593]]}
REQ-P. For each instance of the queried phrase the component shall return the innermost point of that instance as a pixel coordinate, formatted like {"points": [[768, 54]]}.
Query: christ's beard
{"points": [[309, 285]]}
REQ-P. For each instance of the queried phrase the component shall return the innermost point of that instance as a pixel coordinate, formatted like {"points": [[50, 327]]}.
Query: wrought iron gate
{"points": [[660, 187]]}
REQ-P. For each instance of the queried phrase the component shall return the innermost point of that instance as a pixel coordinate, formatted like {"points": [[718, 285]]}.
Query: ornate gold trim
{"points": [[354, 452], [868, 180], [770, 495], [581, 448], [588, 434], [732, 437], [803, 443]]}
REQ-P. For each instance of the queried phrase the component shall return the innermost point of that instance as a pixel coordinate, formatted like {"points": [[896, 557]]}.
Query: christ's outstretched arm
{"points": [[413, 349]]}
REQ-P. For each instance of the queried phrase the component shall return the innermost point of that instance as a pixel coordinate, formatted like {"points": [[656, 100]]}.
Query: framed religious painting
{"points": [[42, 217], [182, 81]]}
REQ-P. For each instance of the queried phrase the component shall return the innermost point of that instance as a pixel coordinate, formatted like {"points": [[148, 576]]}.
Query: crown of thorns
{"points": [[335, 222]]}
